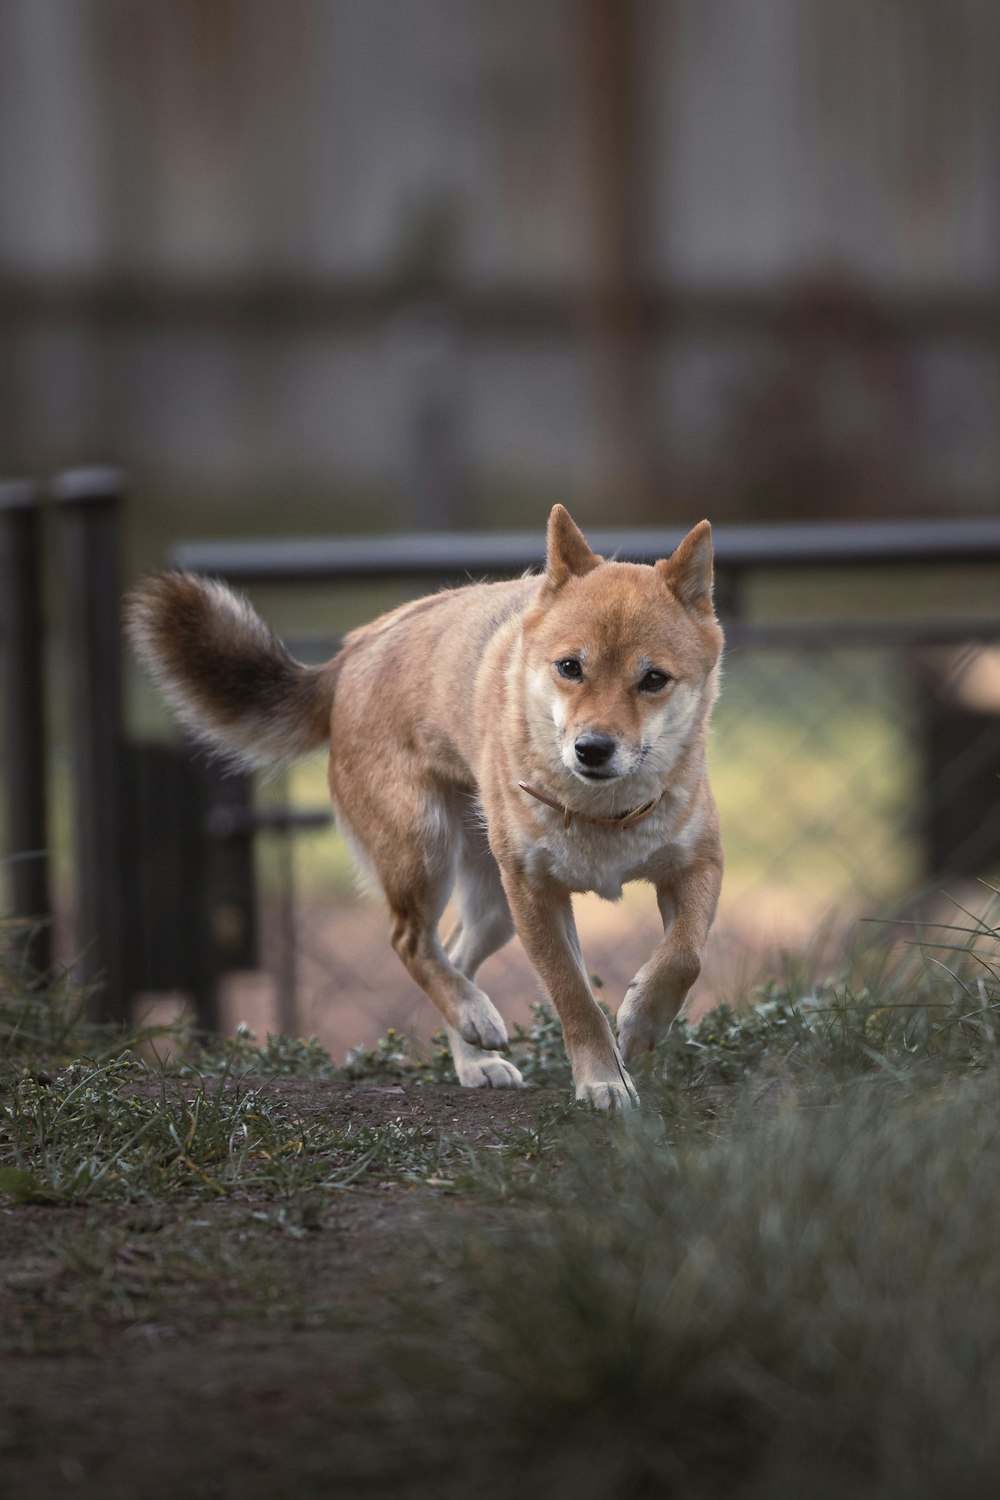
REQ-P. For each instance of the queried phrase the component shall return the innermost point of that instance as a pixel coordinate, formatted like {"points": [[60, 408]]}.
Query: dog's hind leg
{"points": [[484, 925], [415, 905], [413, 845], [484, 920]]}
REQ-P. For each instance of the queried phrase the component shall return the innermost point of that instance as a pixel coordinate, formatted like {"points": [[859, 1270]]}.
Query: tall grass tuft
{"points": [[812, 1300], [801, 1294], [43, 1015]]}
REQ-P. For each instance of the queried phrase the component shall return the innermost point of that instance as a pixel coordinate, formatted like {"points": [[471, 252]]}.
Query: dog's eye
{"points": [[653, 681], [569, 668]]}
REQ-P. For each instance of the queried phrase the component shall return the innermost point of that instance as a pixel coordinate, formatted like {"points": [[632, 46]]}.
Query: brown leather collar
{"points": [[625, 820]]}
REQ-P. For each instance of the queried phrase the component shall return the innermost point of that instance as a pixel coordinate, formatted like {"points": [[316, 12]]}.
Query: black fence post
{"points": [[190, 892], [25, 764], [90, 502], [228, 890]]}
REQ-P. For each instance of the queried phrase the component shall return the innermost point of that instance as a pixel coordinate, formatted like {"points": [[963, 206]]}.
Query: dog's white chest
{"points": [[588, 858]]}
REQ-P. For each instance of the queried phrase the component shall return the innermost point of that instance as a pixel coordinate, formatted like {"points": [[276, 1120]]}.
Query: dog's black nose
{"points": [[594, 749]]}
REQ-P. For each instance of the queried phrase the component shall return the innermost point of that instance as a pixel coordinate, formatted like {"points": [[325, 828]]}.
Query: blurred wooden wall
{"points": [[655, 256]]}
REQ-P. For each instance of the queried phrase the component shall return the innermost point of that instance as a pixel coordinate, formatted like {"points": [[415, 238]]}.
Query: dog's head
{"points": [[621, 658]]}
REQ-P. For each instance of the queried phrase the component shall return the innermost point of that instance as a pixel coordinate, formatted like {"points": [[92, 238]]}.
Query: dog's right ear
{"points": [[567, 554]]}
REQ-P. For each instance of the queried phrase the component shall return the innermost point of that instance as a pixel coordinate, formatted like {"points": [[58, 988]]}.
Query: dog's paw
{"points": [[488, 1071], [613, 1098], [481, 1024], [639, 1036], [639, 1027], [481, 1070]]}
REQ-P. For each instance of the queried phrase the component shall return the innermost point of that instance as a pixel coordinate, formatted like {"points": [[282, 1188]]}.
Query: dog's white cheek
{"points": [[539, 694], [667, 729], [546, 709], [657, 725]]}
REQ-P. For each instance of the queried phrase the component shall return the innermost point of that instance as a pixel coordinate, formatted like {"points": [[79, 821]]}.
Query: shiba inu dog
{"points": [[513, 742]]}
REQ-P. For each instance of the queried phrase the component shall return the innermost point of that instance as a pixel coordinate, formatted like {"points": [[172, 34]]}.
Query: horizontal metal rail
{"points": [[477, 554], [523, 310], [883, 635], [242, 822]]}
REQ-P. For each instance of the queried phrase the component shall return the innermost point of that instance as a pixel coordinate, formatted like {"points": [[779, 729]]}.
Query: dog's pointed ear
{"points": [[688, 571], [567, 554]]}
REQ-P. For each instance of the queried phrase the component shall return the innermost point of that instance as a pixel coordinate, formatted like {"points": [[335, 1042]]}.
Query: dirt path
{"points": [[223, 1348]]}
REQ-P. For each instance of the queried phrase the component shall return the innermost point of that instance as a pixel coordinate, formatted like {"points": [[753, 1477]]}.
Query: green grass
{"points": [[808, 1302], [114, 1132], [86, 1114], [779, 1277], [94, 1275], [91, 1114]]}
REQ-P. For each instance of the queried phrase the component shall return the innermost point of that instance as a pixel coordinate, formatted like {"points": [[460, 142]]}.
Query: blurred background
{"points": [[333, 267]]}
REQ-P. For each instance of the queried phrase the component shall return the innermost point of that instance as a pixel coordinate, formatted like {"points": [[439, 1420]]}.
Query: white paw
{"points": [[480, 1023], [611, 1097], [481, 1070], [639, 1027], [488, 1071]]}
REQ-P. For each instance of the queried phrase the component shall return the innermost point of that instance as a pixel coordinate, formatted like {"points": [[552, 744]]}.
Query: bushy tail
{"points": [[225, 674]]}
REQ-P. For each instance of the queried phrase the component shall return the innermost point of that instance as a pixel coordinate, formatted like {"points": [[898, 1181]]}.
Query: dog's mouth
{"points": [[596, 775]]}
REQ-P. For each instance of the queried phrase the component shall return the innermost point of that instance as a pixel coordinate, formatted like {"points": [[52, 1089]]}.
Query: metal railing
{"points": [[738, 549]]}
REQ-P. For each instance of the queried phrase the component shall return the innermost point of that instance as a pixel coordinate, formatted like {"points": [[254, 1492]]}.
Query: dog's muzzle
{"points": [[594, 750]]}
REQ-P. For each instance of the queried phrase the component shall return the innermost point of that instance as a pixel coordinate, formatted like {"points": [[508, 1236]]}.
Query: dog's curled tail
{"points": [[225, 674]]}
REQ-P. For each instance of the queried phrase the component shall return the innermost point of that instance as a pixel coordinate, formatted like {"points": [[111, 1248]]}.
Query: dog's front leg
{"points": [[687, 905], [543, 916]]}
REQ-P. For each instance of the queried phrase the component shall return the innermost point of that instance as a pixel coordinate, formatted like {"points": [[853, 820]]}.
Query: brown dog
{"points": [[515, 742]]}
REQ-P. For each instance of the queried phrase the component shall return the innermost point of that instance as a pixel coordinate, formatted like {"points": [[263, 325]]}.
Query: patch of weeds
{"points": [[412, 1154], [110, 1131], [538, 1050], [297, 1216], [45, 1015], [519, 1167], [100, 1130], [808, 1304], [146, 1274], [396, 1056], [896, 1017], [276, 1057], [321, 1154]]}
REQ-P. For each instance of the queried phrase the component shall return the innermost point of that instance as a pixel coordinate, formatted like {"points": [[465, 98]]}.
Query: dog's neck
{"points": [[623, 820]]}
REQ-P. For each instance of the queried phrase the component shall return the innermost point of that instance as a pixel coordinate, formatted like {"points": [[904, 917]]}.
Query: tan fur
{"points": [[440, 709]]}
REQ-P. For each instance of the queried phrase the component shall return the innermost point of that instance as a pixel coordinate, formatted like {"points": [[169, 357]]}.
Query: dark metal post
{"points": [[90, 501], [228, 890], [22, 642]]}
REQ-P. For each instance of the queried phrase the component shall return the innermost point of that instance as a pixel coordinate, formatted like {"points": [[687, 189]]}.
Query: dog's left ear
{"points": [[688, 571], [567, 553]]}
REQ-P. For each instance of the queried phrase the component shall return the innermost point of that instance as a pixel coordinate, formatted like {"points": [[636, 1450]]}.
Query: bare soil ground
{"points": [[214, 1349]]}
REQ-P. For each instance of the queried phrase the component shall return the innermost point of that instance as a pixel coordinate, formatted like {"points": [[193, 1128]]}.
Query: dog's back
{"points": [[411, 678]]}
